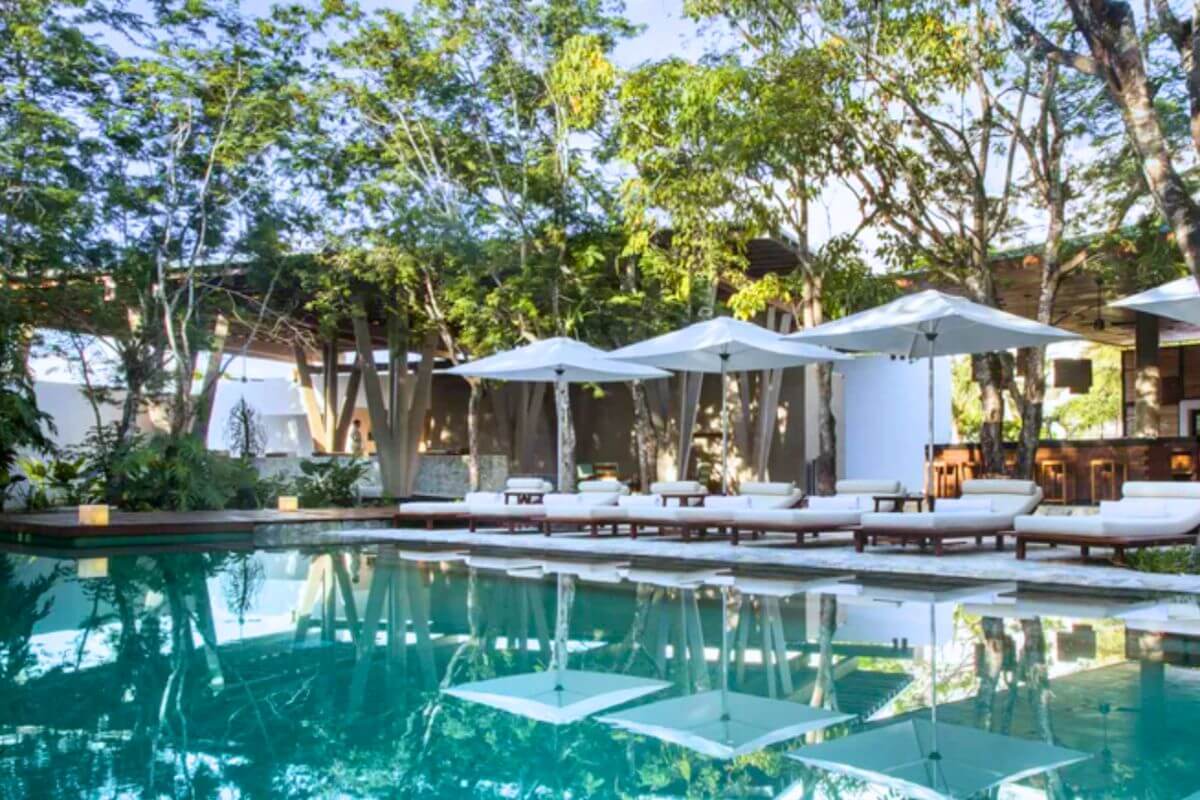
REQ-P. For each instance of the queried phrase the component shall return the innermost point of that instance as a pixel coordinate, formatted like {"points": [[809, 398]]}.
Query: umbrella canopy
{"points": [[723, 724], [1179, 299], [557, 697], [723, 345], [932, 323], [559, 361], [555, 360], [966, 761]]}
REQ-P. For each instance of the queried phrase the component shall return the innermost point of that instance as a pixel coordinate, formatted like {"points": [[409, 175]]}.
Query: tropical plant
{"points": [[54, 481], [165, 473], [332, 482], [22, 424]]}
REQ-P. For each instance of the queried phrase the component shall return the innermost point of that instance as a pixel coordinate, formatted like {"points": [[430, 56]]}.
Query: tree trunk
{"points": [[990, 667], [824, 688], [473, 402], [566, 438], [826, 466], [1110, 30], [645, 437], [1032, 409], [989, 370]]}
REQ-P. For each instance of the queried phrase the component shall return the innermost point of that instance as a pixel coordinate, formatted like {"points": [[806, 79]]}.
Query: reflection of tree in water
{"points": [[22, 605], [241, 582]]}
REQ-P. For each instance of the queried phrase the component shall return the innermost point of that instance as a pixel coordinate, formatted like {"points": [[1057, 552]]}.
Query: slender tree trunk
{"points": [[813, 314], [991, 665], [989, 371], [824, 688], [566, 438], [645, 437], [473, 403]]}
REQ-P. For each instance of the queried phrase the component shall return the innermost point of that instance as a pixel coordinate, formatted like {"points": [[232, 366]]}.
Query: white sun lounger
{"points": [[718, 511], [429, 511], [1150, 514], [987, 507], [822, 514]]}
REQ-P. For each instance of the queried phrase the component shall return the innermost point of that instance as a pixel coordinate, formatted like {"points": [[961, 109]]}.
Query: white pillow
{"points": [[839, 502], [963, 505], [561, 499]]}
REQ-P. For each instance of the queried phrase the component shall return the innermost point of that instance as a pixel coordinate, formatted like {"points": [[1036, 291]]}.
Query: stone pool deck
{"points": [[1060, 567]]}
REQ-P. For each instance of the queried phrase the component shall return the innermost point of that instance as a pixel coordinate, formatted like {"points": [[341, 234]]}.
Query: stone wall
{"points": [[437, 475]]}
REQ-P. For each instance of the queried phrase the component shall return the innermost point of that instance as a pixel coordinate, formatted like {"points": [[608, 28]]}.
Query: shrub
{"points": [[329, 483], [161, 473], [55, 481], [1169, 560]]}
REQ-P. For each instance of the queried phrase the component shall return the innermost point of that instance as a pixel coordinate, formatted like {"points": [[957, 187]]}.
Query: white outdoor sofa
{"points": [[1149, 514], [717, 511], [853, 498], [988, 507]]}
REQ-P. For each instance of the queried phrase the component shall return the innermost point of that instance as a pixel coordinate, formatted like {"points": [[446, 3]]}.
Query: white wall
{"points": [[277, 400], [886, 411], [72, 413]]}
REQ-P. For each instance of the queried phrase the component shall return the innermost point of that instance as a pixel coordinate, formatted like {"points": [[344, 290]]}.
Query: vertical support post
{"points": [[330, 365]]}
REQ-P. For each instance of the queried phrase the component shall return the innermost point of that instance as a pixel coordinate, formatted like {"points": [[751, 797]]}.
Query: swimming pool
{"points": [[375, 671]]}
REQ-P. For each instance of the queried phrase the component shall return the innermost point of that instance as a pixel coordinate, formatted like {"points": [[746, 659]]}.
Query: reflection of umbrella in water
{"points": [[723, 723], [558, 695], [933, 760]]}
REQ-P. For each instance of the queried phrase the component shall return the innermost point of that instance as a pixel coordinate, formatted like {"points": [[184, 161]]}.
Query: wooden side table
{"points": [[683, 498], [523, 497]]}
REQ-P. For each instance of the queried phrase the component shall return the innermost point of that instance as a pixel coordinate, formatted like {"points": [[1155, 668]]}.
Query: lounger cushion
{"points": [[961, 504], [1101, 527], [841, 502], [428, 508], [1010, 497], [638, 501], [677, 487], [786, 519], [605, 486], [584, 512], [507, 511], [767, 487], [967, 521], [718, 510], [1135, 507], [868, 487], [781, 494], [582, 499]]}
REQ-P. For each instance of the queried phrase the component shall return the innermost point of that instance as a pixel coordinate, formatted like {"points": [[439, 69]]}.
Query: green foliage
{"points": [[1087, 414], [162, 473], [331, 482], [966, 408], [22, 424], [55, 481], [1168, 560]]}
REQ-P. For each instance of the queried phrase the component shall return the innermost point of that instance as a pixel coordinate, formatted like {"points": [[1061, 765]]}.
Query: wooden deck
{"points": [[172, 526]]}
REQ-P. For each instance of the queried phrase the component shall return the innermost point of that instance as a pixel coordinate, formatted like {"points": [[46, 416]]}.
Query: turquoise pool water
{"points": [[372, 672]]}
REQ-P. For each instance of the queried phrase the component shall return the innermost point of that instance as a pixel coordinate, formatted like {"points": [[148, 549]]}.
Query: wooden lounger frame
{"points": [[427, 519], [1119, 544], [511, 524], [799, 530], [923, 537]]}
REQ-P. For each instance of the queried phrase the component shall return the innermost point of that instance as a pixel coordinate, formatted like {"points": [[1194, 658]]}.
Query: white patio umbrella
{"points": [[1179, 299], [722, 345], [558, 695], [559, 361], [931, 324], [722, 723], [933, 760]]}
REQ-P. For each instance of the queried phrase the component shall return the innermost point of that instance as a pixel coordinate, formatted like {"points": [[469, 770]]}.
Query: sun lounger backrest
{"points": [[483, 497], [1175, 499], [866, 489], [603, 486], [1007, 496], [774, 494], [724, 502]]}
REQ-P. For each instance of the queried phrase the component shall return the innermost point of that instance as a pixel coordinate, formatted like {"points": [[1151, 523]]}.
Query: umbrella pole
{"points": [[934, 754], [725, 717], [929, 483], [558, 446], [724, 428]]}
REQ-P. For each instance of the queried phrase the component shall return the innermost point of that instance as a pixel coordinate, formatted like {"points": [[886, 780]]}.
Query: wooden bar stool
{"points": [[1107, 477], [1052, 477], [945, 479]]}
